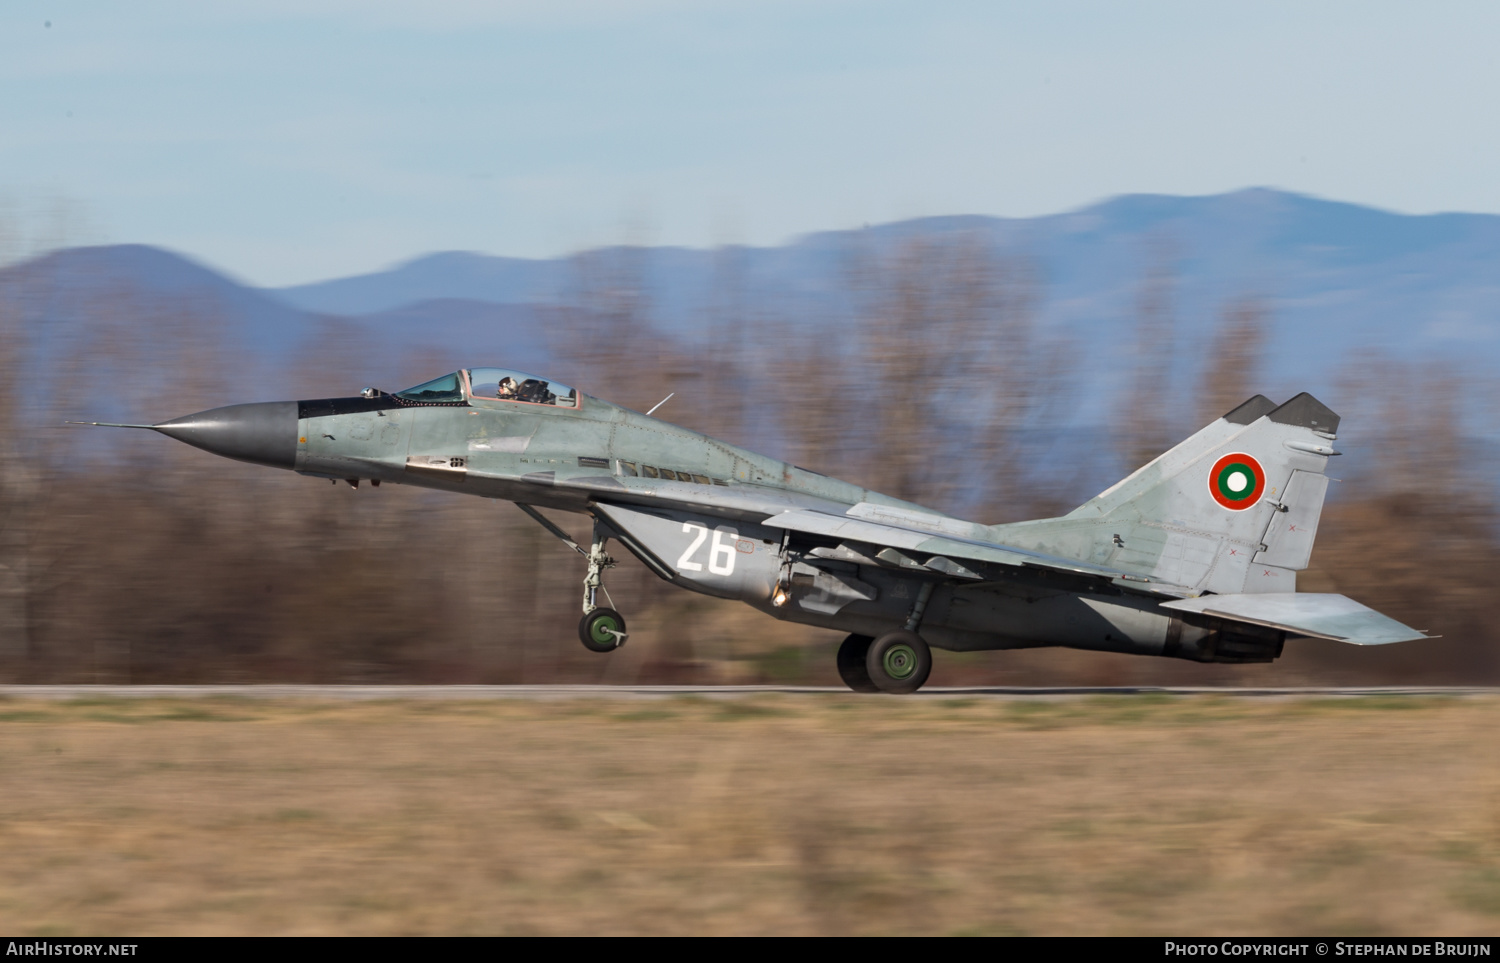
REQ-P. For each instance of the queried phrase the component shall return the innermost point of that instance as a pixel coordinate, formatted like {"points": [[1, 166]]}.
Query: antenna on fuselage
{"points": [[659, 404]]}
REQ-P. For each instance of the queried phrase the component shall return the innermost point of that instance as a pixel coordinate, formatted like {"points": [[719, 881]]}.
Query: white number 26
{"points": [[720, 553]]}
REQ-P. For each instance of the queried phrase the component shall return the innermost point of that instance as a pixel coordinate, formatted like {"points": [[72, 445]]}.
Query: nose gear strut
{"points": [[598, 562], [602, 629]]}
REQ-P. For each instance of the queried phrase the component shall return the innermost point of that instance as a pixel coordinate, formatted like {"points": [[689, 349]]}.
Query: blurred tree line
{"points": [[130, 558]]}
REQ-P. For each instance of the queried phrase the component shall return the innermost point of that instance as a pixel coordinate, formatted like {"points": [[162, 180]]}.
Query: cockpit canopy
{"points": [[490, 384], [499, 384], [447, 390]]}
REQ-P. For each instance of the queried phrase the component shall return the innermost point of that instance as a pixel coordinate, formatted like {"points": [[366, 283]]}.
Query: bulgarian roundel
{"points": [[1237, 481]]}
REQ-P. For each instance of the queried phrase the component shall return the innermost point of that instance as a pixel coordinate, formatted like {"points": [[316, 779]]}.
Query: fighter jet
{"points": [[1193, 556]]}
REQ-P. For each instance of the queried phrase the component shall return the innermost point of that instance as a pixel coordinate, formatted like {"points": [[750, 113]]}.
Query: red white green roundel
{"points": [[1237, 481]]}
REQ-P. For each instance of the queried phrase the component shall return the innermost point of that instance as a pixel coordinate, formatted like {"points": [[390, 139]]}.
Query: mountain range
{"points": [[1337, 280]]}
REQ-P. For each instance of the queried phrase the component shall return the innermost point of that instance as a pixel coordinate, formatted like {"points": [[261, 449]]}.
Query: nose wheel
{"points": [[602, 630]]}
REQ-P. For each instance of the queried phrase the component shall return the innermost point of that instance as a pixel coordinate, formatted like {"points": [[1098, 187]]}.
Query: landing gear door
{"points": [[733, 560]]}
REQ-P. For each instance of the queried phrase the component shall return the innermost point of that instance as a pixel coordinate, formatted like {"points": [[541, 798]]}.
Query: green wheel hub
{"points": [[597, 630], [900, 661], [603, 630]]}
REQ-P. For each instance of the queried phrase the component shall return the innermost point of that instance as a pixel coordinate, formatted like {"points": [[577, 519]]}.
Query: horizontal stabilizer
{"points": [[1318, 616]]}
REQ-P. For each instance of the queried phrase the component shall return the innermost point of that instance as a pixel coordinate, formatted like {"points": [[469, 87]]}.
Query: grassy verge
{"points": [[776, 814]]}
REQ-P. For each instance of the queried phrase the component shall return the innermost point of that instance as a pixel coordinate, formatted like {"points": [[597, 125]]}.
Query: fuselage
{"points": [[715, 518], [544, 455]]}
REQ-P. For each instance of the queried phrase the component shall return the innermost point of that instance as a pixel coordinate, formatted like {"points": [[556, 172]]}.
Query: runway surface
{"points": [[437, 692]]}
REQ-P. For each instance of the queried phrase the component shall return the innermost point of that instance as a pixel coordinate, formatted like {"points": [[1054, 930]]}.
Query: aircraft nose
{"points": [[264, 433]]}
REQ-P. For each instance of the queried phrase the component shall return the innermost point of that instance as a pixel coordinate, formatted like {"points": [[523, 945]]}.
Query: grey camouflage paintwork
{"points": [[1108, 575]]}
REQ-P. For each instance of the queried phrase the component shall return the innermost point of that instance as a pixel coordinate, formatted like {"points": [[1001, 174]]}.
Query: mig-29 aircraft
{"points": [[1194, 556]]}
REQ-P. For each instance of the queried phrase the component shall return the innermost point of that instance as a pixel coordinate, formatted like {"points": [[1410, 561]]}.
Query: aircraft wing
{"points": [[892, 542], [947, 552], [1317, 616]]}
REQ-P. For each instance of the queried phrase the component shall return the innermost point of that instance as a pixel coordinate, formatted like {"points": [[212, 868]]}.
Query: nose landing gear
{"points": [[602, 629]]}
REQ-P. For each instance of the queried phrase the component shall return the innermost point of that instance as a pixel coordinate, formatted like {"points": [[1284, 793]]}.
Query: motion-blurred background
{"points": [[996, 367]]}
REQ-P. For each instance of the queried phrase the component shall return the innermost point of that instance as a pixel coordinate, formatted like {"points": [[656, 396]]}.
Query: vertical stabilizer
{"points": [[1233, 509]]}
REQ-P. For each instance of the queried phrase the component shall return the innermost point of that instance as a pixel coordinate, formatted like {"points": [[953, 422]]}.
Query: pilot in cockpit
{"points": [[507, 390]]}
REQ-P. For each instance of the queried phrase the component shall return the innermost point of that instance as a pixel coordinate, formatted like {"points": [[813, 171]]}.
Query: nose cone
{"points": [[263, 433]]}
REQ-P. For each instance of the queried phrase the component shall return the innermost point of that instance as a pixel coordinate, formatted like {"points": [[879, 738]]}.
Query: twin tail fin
{"points": [[1233, 509]]}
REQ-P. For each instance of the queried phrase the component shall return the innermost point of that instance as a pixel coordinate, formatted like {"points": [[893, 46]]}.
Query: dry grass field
{"points": [[770, 814]]}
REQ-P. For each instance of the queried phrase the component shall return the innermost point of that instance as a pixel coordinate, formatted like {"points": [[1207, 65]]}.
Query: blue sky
{"points": [[294, 141]]}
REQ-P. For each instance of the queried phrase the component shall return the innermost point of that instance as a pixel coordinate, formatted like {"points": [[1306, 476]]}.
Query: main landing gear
{"points": [[897, 662], [601, 629], [851, 661]]}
